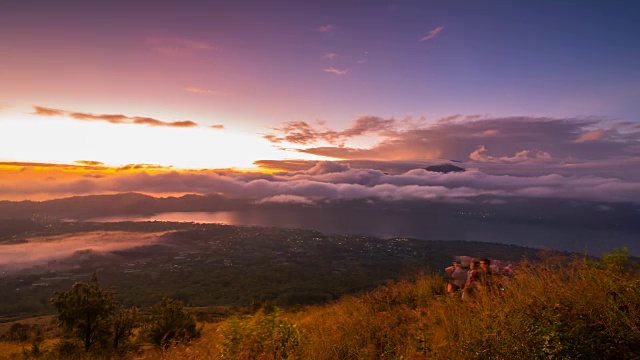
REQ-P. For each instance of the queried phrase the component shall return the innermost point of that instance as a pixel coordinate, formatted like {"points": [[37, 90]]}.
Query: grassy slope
{"points": [[554, 309]]}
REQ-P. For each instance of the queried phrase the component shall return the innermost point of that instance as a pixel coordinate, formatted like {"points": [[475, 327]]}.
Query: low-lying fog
{"points": [[39, 251]]}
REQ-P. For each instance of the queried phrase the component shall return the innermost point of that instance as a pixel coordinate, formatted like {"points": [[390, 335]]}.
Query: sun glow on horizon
{"points": [[60, 140]]}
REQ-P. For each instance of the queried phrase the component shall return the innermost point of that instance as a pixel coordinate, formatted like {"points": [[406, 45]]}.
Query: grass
{"points": [[555, 309]]}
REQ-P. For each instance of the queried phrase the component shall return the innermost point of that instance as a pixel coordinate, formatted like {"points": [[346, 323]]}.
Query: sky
{"points": [[536, 98]]}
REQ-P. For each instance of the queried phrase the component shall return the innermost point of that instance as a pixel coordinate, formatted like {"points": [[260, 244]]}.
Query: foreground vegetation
{"points": [[556, 308]]}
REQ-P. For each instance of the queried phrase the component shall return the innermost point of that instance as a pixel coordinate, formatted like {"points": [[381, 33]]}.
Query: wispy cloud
{"points": [[364, 59], [481, 155], [45, 111], [330, 56], [594, 135], [142, 167], [178, 46], [89, 162], [197, 90], [432, 33], [303, 133], [112, 118], [325, 28], [333, 70], [156, 122], [217, 126]]}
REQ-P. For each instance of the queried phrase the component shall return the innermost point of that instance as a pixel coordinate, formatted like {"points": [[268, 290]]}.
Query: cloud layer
{"points": [[112, 118], [330, 181], [507, 157], [571, 142]]}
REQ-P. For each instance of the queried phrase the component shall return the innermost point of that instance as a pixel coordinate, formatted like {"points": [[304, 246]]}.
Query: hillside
{"points": [[215, 265], [555, 308]]}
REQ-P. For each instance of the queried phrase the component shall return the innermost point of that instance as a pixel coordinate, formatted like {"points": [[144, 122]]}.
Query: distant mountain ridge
{"points": [[85, 207]]}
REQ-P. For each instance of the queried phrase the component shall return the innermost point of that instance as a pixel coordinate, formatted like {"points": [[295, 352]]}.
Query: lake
{"points": [[388, 224]]}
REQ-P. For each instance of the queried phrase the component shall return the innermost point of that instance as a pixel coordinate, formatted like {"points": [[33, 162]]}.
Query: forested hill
{"points": [[210, 264]]}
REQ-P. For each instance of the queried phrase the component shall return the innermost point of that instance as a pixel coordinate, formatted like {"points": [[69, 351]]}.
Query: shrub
{"points": [[171, 323], [265, 335], [18, 332]]}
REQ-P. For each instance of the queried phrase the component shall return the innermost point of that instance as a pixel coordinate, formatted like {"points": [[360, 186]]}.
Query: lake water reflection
{"points": [[218, 217], [410, 224]]}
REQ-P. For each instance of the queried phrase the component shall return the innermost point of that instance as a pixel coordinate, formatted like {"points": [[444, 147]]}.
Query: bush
{"points": [[171, 323], [265, 335], [19, 332]]}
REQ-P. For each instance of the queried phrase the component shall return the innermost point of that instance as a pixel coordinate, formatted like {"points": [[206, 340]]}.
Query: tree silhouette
{"points": [[85, 311]]}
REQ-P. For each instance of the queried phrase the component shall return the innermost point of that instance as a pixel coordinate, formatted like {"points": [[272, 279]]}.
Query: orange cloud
{"points": [[112, 118], [89, 165], [591, 136], [183, 123], [148, 121], [142, 167], [217, 126], [44, 111], [89, 162], [156, 122]]}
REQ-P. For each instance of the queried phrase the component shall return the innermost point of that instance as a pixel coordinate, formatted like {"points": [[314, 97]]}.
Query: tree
{"points": [[86, 311], [123, 324], [169, 321]]}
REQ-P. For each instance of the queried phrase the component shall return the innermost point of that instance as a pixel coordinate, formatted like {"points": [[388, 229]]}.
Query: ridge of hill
{"points": [[88, 206]]}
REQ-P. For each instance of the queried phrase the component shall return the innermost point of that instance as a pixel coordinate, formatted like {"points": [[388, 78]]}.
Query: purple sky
{"points": [[527, 90]]}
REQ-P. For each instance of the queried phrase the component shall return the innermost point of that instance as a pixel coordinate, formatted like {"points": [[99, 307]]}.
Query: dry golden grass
{"points": [[9, 350], [554, 309]]}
